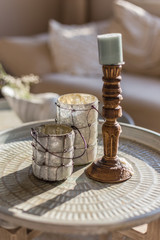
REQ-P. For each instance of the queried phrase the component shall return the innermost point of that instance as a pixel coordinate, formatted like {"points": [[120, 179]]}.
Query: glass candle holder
{"points": [[78, 110], [53, 150]]}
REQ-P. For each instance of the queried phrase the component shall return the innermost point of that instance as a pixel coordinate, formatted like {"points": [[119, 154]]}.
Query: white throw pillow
{"points": [[141, 37], [25, 55], [74, 47]]}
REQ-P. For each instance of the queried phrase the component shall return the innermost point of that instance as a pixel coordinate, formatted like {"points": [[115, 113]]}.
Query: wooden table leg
{"points": [[144, 232], [32, 234], [153, 230], [16, 234]]}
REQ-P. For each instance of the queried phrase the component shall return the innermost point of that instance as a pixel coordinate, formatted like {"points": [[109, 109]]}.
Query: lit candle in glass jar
{"points": [[78, 110]]}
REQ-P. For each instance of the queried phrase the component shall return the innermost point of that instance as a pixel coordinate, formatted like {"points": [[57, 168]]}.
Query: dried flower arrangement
{"points": [[28, 106], [20, 85]]}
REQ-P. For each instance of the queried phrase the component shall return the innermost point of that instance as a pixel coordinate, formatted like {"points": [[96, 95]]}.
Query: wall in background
{"points": [[27, 17], [100, 9]]}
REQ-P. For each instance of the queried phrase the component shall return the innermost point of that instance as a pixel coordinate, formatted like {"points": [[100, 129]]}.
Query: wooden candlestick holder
{"points": [[109, 168]]}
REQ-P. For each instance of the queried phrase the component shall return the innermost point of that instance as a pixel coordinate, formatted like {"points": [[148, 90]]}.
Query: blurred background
{"points": [[56, 40], [30, 17]]}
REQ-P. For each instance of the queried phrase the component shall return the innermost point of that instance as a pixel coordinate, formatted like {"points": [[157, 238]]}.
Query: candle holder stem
{"points": [[109, 168]]}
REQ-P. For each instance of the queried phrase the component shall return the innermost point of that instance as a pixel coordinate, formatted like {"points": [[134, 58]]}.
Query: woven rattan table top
{"points": [[80, 205]]}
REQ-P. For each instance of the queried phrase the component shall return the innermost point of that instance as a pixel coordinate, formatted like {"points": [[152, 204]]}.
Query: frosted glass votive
{"points": [[53, 150], [78, 110]]}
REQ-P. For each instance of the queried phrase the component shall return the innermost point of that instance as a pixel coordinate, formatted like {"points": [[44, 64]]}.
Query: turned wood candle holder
{"points": [[109, 168]]}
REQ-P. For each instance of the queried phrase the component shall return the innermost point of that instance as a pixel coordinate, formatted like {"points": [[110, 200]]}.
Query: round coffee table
{"points": [[80, 205]]}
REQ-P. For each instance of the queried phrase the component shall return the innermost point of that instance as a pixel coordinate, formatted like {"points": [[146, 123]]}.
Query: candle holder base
{"points": [[112, 171]]}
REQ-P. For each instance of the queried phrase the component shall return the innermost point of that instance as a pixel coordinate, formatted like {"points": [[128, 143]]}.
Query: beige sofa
{"points": [[141, 93]]}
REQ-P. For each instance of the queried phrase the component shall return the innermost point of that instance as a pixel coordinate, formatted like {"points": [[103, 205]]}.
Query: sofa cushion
{"points": [[74, 47], [141, 37], [25, 55]]}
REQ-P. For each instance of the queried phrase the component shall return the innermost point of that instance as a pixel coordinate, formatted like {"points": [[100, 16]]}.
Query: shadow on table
{"points": [[23, 191]]}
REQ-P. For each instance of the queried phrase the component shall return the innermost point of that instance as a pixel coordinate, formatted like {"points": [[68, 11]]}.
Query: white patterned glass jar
{"points": [[53, 150], [79, 110]]}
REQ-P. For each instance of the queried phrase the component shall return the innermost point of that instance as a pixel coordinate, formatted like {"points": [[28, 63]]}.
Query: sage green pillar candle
{"points": [[110, 49]]}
